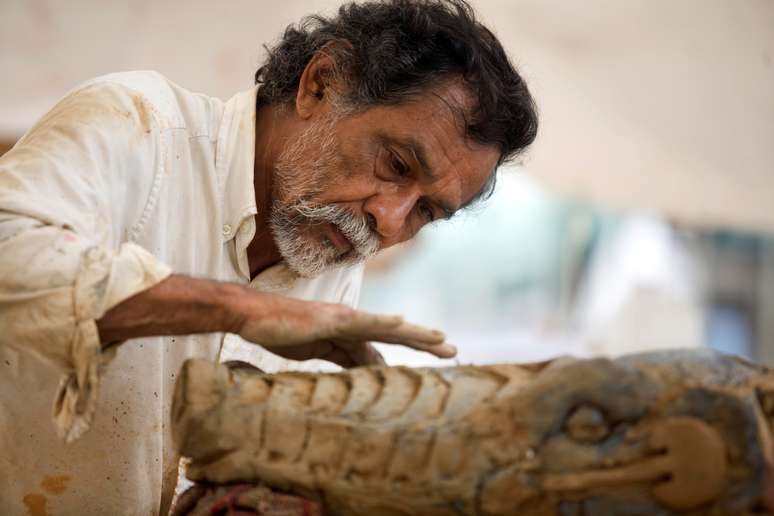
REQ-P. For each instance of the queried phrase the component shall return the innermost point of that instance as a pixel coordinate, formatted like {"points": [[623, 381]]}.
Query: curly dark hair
{"points": [[395, 49]]}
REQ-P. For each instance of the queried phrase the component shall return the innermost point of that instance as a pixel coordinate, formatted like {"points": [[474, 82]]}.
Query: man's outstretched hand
{"points": [[302, 330], [295, 329]]}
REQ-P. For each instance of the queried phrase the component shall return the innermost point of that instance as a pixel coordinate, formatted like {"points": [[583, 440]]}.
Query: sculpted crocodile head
{"points": [[651, 434]]}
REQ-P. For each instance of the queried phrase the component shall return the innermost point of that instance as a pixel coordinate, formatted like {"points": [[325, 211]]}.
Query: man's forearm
{"points": [[179, 305], [292, 328]]}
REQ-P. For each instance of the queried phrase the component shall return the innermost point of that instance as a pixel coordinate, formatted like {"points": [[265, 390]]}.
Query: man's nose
{"points": [[389, 211]]}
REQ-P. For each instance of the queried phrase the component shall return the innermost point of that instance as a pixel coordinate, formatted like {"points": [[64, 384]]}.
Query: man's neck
{"points": [[262, 252]]}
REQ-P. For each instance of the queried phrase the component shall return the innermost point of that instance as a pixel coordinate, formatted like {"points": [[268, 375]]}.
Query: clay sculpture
{"points": [[678, 432]]}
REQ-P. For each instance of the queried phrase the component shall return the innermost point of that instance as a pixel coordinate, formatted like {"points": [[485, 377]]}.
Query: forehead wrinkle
{"points": [[461, 160], [420, 155], [454, 176], [438, 139], [441, 181]]}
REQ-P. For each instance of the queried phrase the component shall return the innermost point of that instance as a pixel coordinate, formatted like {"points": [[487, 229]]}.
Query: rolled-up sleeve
{"points": [[66, 190]]}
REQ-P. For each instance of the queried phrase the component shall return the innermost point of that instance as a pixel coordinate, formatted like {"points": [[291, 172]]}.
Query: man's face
{"points": [[351, 185]]}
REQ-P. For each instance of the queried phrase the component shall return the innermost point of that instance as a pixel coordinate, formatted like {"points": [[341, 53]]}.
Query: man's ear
{"points": [[322, 79]]}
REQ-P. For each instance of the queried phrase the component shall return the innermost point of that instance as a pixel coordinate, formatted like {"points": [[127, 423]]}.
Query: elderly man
{"points": [[142, 224]]}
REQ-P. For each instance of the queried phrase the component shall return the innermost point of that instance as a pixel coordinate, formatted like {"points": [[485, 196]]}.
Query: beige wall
{"points": [[654, 104]]}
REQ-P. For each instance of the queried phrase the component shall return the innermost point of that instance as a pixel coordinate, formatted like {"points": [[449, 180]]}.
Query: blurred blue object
{"points": [[729, 330]]}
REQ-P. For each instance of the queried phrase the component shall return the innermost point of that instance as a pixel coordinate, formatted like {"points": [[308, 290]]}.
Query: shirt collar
{"points": [[234, 161], [234, 165], [275, 278]]}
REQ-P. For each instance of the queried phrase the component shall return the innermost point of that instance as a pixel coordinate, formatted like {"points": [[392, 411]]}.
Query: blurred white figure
{"points": [[489, 278], [642, 292]]}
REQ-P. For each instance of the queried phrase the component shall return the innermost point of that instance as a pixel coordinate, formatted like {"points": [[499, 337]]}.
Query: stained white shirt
{"points": [[127, 179]]}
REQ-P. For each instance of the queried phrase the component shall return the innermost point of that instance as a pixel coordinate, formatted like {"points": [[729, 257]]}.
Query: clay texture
{"points": [[683, 432]]}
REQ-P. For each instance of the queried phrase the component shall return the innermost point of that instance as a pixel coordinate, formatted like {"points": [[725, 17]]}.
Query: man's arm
{"points": [[62, 188], [181, 305]]}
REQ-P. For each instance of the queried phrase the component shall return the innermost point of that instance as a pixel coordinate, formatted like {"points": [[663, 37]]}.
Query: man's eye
{"points": [[397, 165]]}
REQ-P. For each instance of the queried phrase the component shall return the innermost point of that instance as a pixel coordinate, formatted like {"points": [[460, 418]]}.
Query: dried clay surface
{"points": [[680, 432]]}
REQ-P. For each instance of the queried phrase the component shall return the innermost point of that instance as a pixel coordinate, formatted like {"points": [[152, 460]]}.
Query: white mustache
{"points": [[356, 229]]}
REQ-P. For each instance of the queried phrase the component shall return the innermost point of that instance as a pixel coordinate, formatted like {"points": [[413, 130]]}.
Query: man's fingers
{"points": [[304, 351], [391, 329], [366, 326], [364, 322], [347, 342], [414, 333], [420, 338], [346, 355], [442, 350], [354, 355], [340, 356], [366, 354]]}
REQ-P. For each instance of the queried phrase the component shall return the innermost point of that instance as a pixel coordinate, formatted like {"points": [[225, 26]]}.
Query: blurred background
{"points": [[642, 218]]}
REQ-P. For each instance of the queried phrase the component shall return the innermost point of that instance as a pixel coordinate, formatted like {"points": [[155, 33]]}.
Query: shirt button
{"points": [[226, 229]]}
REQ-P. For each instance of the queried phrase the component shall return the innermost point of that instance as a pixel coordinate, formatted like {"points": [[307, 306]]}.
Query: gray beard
{"points": [[310, 258], [296, 183]]}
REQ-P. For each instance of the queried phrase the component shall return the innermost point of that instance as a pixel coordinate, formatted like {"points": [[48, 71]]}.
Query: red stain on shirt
{"points": [[55, 484], [36, 504]]}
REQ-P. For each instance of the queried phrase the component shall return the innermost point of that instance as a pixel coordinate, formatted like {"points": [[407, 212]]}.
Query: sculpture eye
{"points": [[586, 424]]}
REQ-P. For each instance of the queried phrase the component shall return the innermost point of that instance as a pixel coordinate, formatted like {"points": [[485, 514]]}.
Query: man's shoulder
{"points": [[172, 105]]}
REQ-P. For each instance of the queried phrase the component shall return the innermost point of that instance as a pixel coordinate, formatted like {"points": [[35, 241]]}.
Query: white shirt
{"points": [[126, 179]]}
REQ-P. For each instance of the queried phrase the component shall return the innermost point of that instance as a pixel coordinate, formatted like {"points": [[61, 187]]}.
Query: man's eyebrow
{"points": [[413, 147], [417, 150]]}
